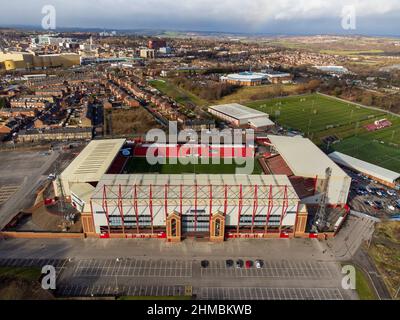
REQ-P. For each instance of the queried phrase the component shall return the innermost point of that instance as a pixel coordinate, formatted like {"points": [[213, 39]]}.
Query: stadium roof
{"points": [[189, 181], [83, 191], [365, 167], [238, 111], [304, 158], [91, 164]]}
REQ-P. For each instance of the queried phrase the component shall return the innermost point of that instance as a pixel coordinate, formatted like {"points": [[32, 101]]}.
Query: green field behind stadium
{"points": [[318, 116]]}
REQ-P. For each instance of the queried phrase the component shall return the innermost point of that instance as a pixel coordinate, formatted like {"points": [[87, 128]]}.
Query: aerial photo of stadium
{"points": [[279, 201]]}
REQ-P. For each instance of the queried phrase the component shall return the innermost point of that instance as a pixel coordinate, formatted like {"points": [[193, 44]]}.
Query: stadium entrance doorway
{"points": [[196, 225]]}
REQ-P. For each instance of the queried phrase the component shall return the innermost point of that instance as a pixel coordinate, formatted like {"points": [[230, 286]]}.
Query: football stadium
{"points": [[282, 199]]}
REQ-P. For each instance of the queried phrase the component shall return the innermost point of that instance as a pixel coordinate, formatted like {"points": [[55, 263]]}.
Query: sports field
{"points": [[140, 165], [372, 151], [318, 117]]}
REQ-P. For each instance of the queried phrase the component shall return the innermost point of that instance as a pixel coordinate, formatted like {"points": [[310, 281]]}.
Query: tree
{"points": [[367, 99]]}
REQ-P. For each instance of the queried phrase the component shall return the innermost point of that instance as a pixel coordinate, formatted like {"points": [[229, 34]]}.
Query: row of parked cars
{"points": [[238, 264], [363, 191], [391, 195]]}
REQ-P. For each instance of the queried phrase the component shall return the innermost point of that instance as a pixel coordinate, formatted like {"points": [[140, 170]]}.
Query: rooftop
{"points": [[261, 122], [91, 164], [238, 111], [127, 183], [304, 158], [246, 76], [365, 167]]}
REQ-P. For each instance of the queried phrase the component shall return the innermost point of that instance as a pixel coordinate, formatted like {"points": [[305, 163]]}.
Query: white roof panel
{"points": [[238, 111], [304, 158], [93, 162], [261, 122], [365, 167], [112, 183]]}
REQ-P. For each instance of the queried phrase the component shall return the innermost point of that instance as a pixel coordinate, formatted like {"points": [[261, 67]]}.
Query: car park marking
{"points": [[6, 192], [225, 293], [133, 268], [270, 269]]}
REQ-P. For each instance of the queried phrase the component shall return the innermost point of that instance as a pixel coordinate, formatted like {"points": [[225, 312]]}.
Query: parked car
{"points": [[361, 192], [249, 264], [380, 193], [239, 264], [51, 176], [378, 205], [391, 193], [391, 208], [229, 263], [259, 264], [370, 203], [205, 264]]}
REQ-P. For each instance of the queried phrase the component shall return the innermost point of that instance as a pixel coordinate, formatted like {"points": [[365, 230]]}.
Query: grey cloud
{"points": [[228, 15]]}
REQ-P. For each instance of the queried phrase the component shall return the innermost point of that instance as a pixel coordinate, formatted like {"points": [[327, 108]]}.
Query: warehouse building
{"points": [[382, 175], [276, 77], [241, 116], [25, 60]]}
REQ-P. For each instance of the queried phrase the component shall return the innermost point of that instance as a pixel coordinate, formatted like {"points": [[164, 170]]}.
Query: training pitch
{"points": [[318, 116]]}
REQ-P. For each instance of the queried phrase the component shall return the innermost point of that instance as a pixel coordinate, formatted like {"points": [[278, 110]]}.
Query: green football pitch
{"points": [[140, 165], [319, 116]]}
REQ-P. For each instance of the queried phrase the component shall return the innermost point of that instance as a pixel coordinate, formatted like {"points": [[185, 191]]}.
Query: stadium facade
{"points": [[174, 207]]}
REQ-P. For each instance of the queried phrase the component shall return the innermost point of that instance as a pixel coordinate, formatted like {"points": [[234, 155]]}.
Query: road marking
{"points": [[7, 191], [270, 294]]}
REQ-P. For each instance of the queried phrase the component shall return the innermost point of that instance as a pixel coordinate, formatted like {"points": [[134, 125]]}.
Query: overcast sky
{"points": [[248, 16]]}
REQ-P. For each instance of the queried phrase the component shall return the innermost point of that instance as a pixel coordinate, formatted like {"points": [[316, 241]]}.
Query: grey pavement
{"points": [[296, 269], [25, 172]]}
